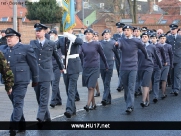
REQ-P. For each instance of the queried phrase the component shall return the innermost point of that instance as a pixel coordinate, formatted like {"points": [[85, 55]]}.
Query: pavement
{"points": [[165, 110]]}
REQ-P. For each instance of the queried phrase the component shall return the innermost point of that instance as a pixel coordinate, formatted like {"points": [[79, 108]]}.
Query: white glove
{"points": [[71, 37]]}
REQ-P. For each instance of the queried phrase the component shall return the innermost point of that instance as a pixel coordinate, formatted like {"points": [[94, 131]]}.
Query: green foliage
{"points": [[47, 11]]}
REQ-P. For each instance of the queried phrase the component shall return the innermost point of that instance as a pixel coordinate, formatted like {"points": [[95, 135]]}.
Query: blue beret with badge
{"points": [[173, 26], [53, 31], [162, 35], [39, 27], [96, 33], [144, 29], [153, 35], [11, 32], [127, 27], [136, 28], [89, 30], [145, 33], [120, 25], [106, 31]]}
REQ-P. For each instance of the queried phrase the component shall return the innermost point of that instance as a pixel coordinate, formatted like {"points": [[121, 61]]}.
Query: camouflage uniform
{"points": [[6, 72]]}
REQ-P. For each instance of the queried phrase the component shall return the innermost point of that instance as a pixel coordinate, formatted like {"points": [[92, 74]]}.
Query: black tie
{"points": [[174, 37], [41, 44]]}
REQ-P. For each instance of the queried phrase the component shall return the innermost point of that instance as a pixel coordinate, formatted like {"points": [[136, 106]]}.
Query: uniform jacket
{"points": [[169, 54], [176, 47], [44, 58], [74, 64], [3, 41], [22, 61]]}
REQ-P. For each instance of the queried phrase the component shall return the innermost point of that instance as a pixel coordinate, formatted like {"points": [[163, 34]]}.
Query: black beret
{"points": [[53, 31], [89, 30], [120, 25], [144, 28], [136, 28], [106, 31], [96, 33], [153, 35], [162, 35], [39, 26], [127, 27], [11, 32], [173, 26], [3, 31], [145, 34]]}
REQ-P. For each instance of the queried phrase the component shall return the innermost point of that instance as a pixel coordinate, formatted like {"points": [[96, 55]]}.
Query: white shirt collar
{"points": [[131, 36], [42, 42], [89, 41], [107, 40]]}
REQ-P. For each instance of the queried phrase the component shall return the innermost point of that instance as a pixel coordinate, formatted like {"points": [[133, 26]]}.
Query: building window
{"points": [[87, 22], [102, 5], [141, 21], [176, 21], [163, 22], [23, 19], [139, 7], [4, 19]]}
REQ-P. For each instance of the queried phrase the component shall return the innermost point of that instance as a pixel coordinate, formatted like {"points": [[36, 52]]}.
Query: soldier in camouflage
{"points": [[7, 74]]}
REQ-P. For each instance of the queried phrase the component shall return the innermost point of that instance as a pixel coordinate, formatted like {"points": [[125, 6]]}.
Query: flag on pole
{"points": [[68, 18]]}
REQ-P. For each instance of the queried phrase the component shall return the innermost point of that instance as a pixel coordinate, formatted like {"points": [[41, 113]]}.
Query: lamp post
{"points": [[15, 15], [83, 13]]}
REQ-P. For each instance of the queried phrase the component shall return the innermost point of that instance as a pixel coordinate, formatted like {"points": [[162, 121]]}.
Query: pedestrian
{"points": [[129, 64], [108, 49], [44, 50], [169, 60], [175, 40], [56, 98], [137, 32], [91, 69], [145, 68], [3, 40], [70, 49], [116, 36], [96, 38], [157, 70], [22, 61]]}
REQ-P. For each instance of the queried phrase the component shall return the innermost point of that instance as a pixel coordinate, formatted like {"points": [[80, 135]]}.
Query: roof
{"points": [[87, 12], [79, 23], [149, 18], [6, 10], [169, 19]]}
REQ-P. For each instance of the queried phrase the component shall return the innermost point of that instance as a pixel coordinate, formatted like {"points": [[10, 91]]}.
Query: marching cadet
{"points": [[44, 50], [108, 48], [56, 98], [129, 64], [22, 61], [72, 63], [145, 68], [175, 40], [91, 65], [119, 34], [169, 61], [157, 70], [96, 38], [137, 32]]}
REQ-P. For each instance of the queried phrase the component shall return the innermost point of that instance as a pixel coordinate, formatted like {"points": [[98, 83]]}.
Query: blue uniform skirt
{"points": [[164, 73], [90, 76], [145, 77]]}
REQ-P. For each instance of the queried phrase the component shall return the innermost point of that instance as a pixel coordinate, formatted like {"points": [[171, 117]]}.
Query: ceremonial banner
{"points": [[68, 18]]}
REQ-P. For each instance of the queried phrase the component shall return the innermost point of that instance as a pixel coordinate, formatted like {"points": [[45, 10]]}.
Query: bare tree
{"points": [[133, 9]]}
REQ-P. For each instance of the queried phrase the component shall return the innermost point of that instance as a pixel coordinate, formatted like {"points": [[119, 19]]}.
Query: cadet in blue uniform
{"points": [[91, 69], [137, 32], [157, 70], [44, 50], [145, 68], [116, 36], [108, 48], [129, 64], [56, 98], [169, 61], [22, 61], [72, 69], [175, 41]]}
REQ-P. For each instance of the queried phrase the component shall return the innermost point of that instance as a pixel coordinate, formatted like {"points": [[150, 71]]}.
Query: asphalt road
{"points": [[165, 110]]}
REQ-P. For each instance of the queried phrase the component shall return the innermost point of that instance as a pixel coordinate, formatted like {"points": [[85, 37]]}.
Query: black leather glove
{"points": [[34, 84]]}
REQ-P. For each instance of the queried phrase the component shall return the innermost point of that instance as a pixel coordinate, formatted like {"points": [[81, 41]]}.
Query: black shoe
{"points": [[93, 107], [77, 99], [175, 93], [118, 89], [12, 132], [97, 94], [86, 108], [52, 105], [68, 115], [155, 100], [103, 103], [143, 104], [147, 104], [59, 104], [129, 110], [164, 96]]}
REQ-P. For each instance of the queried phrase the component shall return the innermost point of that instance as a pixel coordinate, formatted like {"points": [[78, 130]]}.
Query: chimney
{"points": [[78, 5], [151, 3]]}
